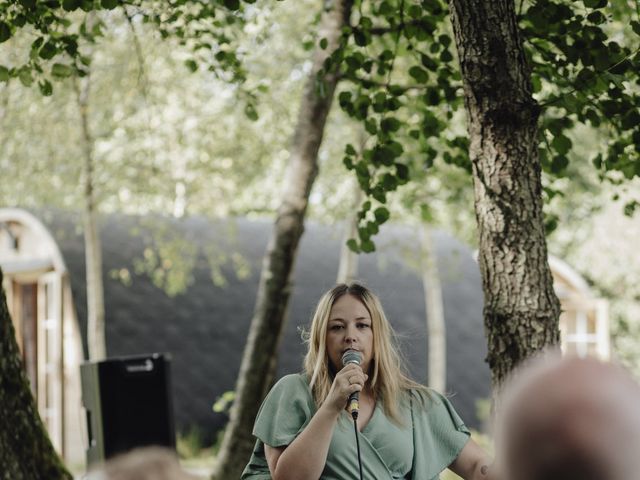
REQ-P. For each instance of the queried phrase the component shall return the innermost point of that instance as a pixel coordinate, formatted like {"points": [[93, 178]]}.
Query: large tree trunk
{"points": [[93, 249], [436, 329], [521, 309], [259, 358], [26, 452]]}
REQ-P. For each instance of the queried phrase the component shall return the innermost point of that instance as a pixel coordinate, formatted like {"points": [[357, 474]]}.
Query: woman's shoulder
{"points": [[293, 380], [430, 404], [292, 383], [424, 396]]}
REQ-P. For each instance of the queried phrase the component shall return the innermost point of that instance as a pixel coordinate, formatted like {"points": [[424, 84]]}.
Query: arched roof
{"points": [[566, 276], [36, 257]]}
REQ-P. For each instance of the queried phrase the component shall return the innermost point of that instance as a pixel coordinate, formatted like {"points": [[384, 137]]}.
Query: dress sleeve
{"points": [[439, 434], [285, 412]]}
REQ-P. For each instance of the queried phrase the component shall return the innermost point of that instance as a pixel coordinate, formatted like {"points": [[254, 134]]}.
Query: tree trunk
{"points": [[348, 267], [26, 452], [436, 329], [521, 309], [259, 357], [93, 250]]}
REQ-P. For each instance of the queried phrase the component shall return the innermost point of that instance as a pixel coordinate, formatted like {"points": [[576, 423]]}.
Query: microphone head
{"points": [[351, 356]]}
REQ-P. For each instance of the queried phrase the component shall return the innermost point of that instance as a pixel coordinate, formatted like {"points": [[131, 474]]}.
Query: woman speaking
{"points": [[400, 429]]}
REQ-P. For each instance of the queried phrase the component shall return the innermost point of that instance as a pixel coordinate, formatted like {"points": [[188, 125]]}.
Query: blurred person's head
{"points": [[148, 463], [570, 418]]}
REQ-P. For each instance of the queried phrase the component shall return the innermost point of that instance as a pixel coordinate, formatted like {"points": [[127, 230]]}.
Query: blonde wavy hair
{"points": [[387, 378]]}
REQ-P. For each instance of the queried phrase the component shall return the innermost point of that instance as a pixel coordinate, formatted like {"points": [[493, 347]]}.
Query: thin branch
{"points": [[142, 77], [520, 7], [395, 29], [366, 82], [397, 40], [575, 87]]}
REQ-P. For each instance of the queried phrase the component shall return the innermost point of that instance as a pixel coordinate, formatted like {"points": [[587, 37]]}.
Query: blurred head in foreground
{"points": [[570, 418], [149, 463]]}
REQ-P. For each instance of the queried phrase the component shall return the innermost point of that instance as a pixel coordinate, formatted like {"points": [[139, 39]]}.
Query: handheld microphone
{"points": [[353, 405]]}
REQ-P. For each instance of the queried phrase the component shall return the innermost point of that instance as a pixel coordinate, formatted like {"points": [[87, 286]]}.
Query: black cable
{"points": [[355, 427]]}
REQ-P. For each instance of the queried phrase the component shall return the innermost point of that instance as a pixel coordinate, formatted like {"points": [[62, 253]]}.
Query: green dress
{"points": [[428, 441]]}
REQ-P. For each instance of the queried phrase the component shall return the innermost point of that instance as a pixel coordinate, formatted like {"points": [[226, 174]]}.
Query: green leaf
{"points": [[386, 8], [428, 62], [349, 150], [419, 73], [415, 11], [536, 83], [371, 126], [445, 40], [559, 164], [344, 98], [5, 32], [550, 224], [389, 182], [368, 246], [390, 124], [61, 70], [324, 43], [251, 112], [361, 39], [4, 74], [631, 207], [635, 26], [381, 214], [232, 4], [596, 18], [432, 96], [382, 155], [25, 77], [402, 171], [353, 245], [48, 51], [561, 144], [426, 214], [446, 56], [45, 87], [86, 5], [109, 4], [191, 65], [372, 229]]}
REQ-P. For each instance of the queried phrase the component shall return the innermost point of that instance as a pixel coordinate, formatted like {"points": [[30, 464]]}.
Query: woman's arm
{"points": [[472, 463], [305, 457]]}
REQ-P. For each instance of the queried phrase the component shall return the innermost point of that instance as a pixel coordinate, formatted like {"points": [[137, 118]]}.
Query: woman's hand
{"points": [[348, 380]]}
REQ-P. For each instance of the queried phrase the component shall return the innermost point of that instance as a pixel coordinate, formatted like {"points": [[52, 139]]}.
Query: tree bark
{"points": [[93, 250], [26, 452], [436, 328], [259, 358], [521, 309], [348, 267]]}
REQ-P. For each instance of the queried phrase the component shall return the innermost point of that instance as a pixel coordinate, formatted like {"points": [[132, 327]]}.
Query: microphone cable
{"points": [[354, 414]]}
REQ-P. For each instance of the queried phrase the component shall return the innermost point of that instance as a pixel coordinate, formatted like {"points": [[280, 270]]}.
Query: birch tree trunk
{"points": [[93, 250], [348, 267], [26, 452], [259, 358], [436, 328], [521, 309]]}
